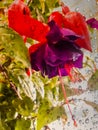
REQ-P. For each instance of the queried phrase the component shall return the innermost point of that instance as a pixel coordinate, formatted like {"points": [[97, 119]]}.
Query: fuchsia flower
{"points": [[60, 40], [59, 51], [68, 34]]}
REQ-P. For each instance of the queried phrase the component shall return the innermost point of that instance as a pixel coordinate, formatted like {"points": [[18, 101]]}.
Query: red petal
{"points": [[34, 47], [76, 22], [21, 21], [57, 17]]}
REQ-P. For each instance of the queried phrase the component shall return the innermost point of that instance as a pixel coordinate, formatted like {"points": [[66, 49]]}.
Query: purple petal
{"points": [[53, 71], [37, 59], [54, 35], [61, 53], [68, 34], [79, 62], [93, 23]]}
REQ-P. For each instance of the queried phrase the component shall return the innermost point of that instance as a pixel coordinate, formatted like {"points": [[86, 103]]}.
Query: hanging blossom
{"points": [[67, 35], [60, 52], [60, 41]]}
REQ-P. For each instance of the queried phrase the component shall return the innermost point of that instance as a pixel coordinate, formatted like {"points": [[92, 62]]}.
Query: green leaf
{"points": [[94, 105], [4, 3], [27, 86], [93, 81], [14, 46], [42, 2], [69, 92], [40, 9], [22, 124], [39, 84], [47, 114], [24, 106], [51, 4], [1, 126]]}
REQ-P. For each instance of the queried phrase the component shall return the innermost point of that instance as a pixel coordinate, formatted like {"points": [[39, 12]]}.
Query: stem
{"points": [[29, 1], [12, 85], [65, 97]]}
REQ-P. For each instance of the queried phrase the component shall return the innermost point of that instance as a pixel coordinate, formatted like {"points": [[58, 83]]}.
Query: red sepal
{"points": [[21, 21], [57, 17], [76, 22], [35, 47]]}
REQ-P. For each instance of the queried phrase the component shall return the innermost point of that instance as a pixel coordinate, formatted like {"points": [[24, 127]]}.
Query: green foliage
{"points": [[39, 83], [4, 3], [47, 114], [15, 103], [41, 9], [94, 105], [51, 5], [69, 92], [7, 110], [93, 81], [13, 47], [22, 124], [24, 107]]}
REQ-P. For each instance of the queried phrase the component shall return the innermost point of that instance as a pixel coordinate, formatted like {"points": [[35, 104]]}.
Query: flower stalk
{"points": [[65, 98]]}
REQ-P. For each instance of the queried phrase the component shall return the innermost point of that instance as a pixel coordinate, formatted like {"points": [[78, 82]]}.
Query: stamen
{"points": [[79, 74], [65, 97], [68, 69], [74, 73], [92, 61]]}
